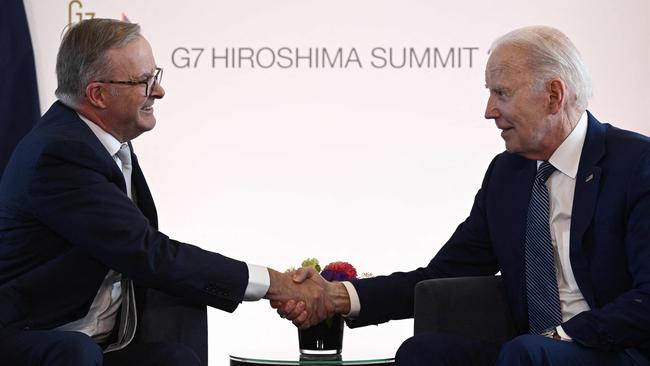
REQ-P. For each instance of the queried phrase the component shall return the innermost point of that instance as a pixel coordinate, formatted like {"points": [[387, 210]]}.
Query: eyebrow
{"points": [[148, 74], [499, 88]]}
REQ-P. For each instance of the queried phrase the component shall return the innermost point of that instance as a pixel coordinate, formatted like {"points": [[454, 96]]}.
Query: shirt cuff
{"points": [[355, 304], [562, 334], [258, 282]]}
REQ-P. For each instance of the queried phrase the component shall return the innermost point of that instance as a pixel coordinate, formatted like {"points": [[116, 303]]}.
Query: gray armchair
{"points": [[468, 306]]}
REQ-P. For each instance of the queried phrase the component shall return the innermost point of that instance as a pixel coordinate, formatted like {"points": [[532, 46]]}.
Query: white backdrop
{"points": [[372, 165]]}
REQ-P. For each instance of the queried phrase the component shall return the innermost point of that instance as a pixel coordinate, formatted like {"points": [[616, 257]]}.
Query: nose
{"points": [[491, 110], [157, 91]]}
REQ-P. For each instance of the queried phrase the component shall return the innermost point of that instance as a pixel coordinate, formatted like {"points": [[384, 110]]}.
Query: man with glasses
{"points": [[80, 251]]}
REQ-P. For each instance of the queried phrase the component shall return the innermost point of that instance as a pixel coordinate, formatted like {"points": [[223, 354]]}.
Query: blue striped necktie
{"points": [[541, 282]]}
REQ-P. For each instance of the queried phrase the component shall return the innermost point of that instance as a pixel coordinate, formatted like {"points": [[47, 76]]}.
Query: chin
{"points": [[513, 148], [147, 125]]}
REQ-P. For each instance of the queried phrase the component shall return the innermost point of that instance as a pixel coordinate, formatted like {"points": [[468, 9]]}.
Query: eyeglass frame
{"points": [[153, 79]]}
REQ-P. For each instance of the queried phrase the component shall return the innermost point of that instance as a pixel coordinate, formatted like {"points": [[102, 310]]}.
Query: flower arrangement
{"points": [[328, 334], [335, 271]]}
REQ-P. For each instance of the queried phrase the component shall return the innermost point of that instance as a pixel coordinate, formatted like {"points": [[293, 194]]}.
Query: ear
{"points": [[556, 93], [96, 95]]}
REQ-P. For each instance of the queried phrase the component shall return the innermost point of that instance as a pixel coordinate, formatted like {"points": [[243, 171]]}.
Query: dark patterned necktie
{"points": [[541, 282]]}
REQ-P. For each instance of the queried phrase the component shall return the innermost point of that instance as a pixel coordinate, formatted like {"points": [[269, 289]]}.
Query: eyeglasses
{"points": [[148, 82]]}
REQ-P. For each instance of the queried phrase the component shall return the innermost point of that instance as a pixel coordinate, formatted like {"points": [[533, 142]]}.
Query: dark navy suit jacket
{"points": [[609, 244], [65, 220]]}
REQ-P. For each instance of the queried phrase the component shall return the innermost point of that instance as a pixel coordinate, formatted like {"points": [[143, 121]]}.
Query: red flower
{"points": [[339, 271]]}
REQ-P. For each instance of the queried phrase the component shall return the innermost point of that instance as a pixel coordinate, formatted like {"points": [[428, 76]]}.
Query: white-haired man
{"points": [[563, 214]]}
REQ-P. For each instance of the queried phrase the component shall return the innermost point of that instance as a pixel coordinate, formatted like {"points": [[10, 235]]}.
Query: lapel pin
{"points": [[590, 177]]}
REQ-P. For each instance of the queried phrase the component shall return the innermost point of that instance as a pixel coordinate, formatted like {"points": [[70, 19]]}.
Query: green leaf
{"points": [[311, 262]]}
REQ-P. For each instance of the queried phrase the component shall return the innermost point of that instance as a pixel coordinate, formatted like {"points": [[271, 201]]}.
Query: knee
{"points": [[523, 350], [423, 349], [74, 348], [406, 352]]}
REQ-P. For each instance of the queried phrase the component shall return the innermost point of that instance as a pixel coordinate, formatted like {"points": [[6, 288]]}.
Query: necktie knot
{"points": [[544, 171]]}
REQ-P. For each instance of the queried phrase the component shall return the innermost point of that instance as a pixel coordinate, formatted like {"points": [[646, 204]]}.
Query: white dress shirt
{"points": [[561, 188], [561, 185], [100, 320]]}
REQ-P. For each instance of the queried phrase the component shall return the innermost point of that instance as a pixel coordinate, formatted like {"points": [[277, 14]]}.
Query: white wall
{"points": [[375, 166]]}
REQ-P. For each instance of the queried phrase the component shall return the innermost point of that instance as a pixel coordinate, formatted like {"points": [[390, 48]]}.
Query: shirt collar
{"points": [[566, 157], [111, 144]]}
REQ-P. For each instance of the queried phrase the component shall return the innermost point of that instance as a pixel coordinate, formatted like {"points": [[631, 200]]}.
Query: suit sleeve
{"points": [[467, 253], [77, 194], [625, 322]]}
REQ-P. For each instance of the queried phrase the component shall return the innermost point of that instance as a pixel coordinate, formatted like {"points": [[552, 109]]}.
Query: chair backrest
{"points": [[468, 306]]}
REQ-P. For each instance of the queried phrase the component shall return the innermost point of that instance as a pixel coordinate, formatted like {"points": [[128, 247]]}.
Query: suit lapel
{"points": [[522, 190], [78, 130], [525, 179], [138, 183], [584, 203]]}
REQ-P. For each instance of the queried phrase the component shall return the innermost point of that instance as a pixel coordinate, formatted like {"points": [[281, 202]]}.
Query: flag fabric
{"points": [[19, 104]]}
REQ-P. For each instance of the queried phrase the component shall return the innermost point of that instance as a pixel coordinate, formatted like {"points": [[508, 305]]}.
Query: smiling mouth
{"points": [[147, 109]]}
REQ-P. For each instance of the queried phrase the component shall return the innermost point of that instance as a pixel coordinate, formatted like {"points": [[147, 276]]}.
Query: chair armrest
{"points": [[474, 307]]}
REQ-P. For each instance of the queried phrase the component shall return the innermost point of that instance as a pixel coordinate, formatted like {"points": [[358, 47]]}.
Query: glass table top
{"points": [[238, 360]]}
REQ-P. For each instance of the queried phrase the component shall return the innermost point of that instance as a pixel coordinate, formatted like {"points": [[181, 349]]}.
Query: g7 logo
{"points": [[79, 15]]}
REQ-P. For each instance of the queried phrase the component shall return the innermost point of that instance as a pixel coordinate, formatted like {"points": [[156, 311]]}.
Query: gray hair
{"points": [[83, 55], [551, 54]]}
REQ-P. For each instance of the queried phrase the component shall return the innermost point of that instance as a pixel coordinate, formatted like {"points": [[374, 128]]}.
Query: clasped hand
{"points": [[302, 296]]}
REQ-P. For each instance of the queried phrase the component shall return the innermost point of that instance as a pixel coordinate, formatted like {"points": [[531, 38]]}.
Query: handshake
{"points": [[306, 298]]}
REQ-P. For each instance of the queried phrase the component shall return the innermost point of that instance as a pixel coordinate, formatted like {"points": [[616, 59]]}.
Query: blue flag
{"points": [[19, 105]]}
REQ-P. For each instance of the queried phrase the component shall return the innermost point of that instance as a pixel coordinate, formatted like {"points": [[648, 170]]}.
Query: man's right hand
{"points": [[310, 303]]}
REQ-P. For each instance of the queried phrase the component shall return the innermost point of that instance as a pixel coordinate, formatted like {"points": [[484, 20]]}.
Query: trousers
{"points": [[441, 349], [69, 348]]}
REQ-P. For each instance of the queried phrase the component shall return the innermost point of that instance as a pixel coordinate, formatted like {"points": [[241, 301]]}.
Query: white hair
{"points": [[551, 55]]}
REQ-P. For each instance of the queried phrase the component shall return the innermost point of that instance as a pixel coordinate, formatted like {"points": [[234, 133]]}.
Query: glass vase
{"points": [[323, 339]]}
